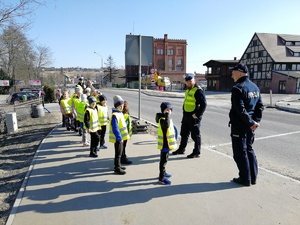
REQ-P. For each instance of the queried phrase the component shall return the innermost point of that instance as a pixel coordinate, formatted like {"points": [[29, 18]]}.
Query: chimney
{"points": [[234, 58]]}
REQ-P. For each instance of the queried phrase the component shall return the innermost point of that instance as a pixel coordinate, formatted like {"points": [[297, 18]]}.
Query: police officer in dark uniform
{"points": [[194, 106], [245, 115]]}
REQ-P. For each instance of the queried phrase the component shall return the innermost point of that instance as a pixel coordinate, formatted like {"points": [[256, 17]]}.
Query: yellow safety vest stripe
{"points": [[170, 136]]}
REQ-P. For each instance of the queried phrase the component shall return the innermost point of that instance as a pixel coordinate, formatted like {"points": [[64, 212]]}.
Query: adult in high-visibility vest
{"points": [[166, 140], [124, 158], [118, 133], [92, 125], [194, 106], [103, 119]]}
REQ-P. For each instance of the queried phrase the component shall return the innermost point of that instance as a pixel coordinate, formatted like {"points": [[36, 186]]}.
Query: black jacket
{"points": [[246, 103], [165, 124]]}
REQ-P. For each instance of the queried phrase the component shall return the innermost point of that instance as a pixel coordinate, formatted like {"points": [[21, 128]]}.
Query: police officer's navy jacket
{"points": [[246, 103], [200, 104]]}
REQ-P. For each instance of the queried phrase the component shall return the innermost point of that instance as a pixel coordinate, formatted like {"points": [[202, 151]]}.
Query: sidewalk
{"points": [[66, 187]]}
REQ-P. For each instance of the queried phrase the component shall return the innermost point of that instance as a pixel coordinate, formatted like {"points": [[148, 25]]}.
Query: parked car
{"points": [[18, 97], [34, 90]]}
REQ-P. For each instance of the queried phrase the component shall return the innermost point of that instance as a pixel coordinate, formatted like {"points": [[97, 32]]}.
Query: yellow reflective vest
{"points": [[128, 123], [65, 106], [121, 125], [94, 124], [170, 136], [189, 104], [102, 115], [80, 109]]}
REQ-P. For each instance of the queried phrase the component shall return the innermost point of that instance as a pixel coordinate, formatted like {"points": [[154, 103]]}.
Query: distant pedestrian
{"points": [[92, 125], [124, 158], [194, 106], [103, 119], [81, 83], [118, 132], [245, 115], [166, 139]]}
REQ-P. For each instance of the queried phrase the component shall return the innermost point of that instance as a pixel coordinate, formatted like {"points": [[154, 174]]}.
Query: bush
{"points": [[49, 94]]}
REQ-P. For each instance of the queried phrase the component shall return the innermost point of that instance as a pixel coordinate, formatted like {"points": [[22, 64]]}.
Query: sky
{"points": [[214, 30]]}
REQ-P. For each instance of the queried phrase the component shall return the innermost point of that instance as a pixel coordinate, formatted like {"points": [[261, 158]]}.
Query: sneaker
{"points": [[103, 146], [119, 171], [167, 175], [68, 128], [123, 167], [86, 145], [97, 148], [178, 152], [164, 181]]}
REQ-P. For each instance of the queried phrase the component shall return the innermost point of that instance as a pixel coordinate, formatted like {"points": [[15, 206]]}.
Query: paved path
{"points": [[66, 187]]}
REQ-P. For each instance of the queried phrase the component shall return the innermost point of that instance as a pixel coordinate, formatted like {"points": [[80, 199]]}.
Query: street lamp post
{"points": [[101, 67], [101, 59]]}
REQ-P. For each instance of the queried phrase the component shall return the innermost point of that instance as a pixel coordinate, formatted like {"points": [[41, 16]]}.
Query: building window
{"points": [[170, 62], [267, 83], [178, 68], [160, 51], [297, 54], [170, 52], [255, 43], [179, 61], [260, 53], [248, 56]]}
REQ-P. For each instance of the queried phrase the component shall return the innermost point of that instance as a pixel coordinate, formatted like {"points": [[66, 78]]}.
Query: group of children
{"points": [[86, 113]]}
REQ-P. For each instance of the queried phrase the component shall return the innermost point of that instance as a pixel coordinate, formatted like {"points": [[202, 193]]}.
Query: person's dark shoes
{"points": [[178, 152], [68, 128], [119, 171], [93, 155], [191, 156], [75, 130], [123, 167], [126, 161], [240, 181], [253, 182]]}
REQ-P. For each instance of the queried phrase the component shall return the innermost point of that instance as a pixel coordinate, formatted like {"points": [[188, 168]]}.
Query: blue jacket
{"points": [[246, 103], [115, 126]]}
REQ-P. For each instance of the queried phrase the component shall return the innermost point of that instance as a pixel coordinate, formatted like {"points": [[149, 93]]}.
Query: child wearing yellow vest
{"points": [[103, 119], [166, 140], [91, 123], [66, 110], [118, 133], [124, 159], [80, 109]]}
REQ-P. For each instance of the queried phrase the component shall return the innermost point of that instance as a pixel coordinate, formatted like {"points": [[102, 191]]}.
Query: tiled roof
{"points": [[275, 47]]}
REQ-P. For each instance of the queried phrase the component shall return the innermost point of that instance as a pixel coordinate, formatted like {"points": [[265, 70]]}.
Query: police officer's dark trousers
{"points": [[190, 125], [243, 153]]}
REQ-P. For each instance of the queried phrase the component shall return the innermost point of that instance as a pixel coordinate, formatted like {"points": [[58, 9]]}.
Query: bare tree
{"points": [[10, 11], [43, 58]]}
